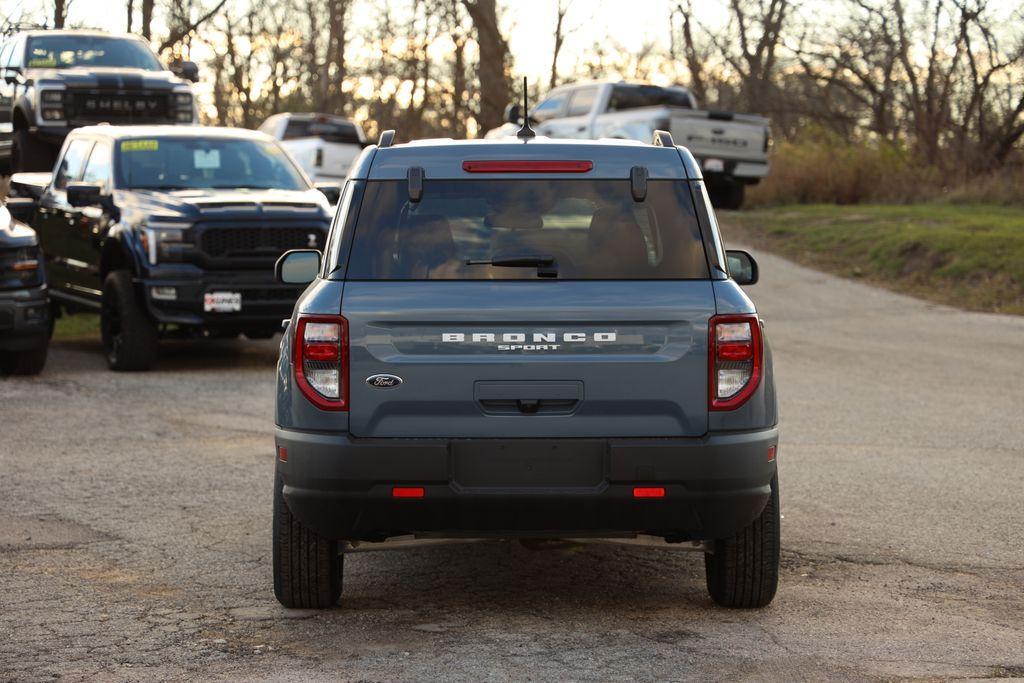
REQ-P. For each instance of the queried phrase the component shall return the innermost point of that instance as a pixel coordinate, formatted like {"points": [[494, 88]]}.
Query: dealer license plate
{"points": [[222, 302]]}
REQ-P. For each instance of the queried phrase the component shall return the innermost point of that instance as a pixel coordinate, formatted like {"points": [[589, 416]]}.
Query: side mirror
{"points": [[12, 74], [513, 114], [742, 267], [187, 70], [330, 190], [21, 208], [297, 266], [85, 194]]}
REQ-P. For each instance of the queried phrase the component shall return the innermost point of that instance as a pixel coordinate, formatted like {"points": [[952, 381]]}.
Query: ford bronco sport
{"points": [[539, 339]]}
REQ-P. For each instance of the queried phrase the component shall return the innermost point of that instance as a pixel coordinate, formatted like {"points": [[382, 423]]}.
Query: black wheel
{"points": [[261, 333], [308, 569], [26, 361], [726, 194], [129, 334], [29, 153], [743, 571]]}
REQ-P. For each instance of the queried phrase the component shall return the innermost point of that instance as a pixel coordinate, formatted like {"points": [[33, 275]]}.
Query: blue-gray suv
{"points": [[525, 339]]}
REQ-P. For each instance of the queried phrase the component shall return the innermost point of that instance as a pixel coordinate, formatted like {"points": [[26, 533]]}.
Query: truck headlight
{"points": [[183, 105], [163, 244], [51, 105]]}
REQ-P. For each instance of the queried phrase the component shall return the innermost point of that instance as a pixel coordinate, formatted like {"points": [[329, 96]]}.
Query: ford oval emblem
{"points": [[383, 381]]}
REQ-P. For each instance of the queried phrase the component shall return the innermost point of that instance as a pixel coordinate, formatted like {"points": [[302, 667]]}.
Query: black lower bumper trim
{"points": [[342, 487]]}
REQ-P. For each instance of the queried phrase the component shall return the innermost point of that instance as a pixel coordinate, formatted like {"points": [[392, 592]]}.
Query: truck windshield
{"points": [[70, 51], [525, 229], [168, 163]]}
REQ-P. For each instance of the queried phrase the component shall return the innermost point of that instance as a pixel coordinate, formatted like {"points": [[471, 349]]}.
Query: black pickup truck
{"points": [[24, 311], [173, 230], [54, 81]]}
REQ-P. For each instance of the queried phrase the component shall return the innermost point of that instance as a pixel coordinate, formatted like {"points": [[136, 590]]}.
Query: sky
{"points": [[529, 24]]}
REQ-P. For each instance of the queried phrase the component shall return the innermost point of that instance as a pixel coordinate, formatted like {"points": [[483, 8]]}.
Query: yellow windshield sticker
{"points": [[41, 62], [140, 145]]}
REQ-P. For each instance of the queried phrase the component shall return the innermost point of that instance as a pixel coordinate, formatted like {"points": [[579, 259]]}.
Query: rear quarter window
{"points": [[593, 229]]}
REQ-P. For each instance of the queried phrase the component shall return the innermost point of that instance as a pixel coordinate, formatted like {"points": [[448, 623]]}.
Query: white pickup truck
{"points": [[732, 149], [324, 145]]}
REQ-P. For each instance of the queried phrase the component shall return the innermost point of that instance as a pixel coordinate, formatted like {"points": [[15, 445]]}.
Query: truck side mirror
{"points": [[742, 267], [297, 266], [514, 114], [330, 190], [85, 194], [187, 70]]}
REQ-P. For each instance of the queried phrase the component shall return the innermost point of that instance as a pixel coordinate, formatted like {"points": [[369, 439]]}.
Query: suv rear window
{"points": [[326, 130], [593, 229]]}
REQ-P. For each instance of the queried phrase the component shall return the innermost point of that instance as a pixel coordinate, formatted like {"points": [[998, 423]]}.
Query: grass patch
{"points": [[78, 326], [970, 256]]}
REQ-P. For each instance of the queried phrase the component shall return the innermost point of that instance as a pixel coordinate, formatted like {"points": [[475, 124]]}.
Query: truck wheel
{"points": [[30, 154], [308, 569], [129, 334], [743, 571], [727, 194], [25, 362]]}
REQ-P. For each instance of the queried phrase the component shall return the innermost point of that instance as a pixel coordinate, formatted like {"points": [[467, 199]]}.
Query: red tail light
{"points": [[648, 491], [527, 166], [320, 360], [735, 359]]}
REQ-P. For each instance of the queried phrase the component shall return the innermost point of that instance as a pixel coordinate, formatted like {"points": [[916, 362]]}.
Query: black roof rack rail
{"points": [[662, 138], [387, 138]]}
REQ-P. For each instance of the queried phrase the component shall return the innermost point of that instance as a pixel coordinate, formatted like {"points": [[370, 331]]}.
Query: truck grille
{"points": [[96, 106], [255, 242]]}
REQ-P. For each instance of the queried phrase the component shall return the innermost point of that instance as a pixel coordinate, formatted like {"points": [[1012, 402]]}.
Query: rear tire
{"points": [[29, 153], [743, 571], [129, 335], [27, 361], [308, 568], [727, 194]]}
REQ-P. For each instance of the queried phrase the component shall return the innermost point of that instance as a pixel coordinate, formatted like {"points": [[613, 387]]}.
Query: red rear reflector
{"points": [[324, 352], [282, 453], [771, 453], [735, 351], [407, 492], [649, 492], [527, 166]]}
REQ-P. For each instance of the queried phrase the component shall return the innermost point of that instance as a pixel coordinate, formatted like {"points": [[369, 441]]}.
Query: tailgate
{"points": [[706, 137], [506, 359]]}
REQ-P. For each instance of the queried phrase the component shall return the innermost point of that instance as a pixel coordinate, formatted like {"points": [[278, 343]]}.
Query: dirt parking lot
{"points": [[135, 515]]}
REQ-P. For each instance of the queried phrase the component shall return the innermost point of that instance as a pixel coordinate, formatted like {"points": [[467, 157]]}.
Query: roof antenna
{"points": [[525, 133]]}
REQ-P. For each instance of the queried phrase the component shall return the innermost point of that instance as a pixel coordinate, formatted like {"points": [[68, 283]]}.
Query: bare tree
{"points": [[60, 12], [493, 68], [560, 34]]}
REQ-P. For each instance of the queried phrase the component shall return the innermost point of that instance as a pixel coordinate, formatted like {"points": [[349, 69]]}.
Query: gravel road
{"points": [[135, 515]]}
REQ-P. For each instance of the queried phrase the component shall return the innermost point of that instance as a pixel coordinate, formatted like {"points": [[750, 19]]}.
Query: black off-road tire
{"points": [[26, 361], [130, 338], [727, 194], [308, 568], [28, 153], [743, 571]]}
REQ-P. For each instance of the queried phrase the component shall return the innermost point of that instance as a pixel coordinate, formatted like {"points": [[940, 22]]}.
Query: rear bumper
{"points": [[24, 319], [744, 171], [342, 487]]}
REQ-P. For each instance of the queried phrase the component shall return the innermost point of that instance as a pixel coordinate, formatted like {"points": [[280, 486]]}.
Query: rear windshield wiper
{"points": [[546, 266]]}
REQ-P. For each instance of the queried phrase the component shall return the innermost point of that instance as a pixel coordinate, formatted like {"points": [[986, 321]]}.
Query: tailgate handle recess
{"points": [[529, 398]]}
